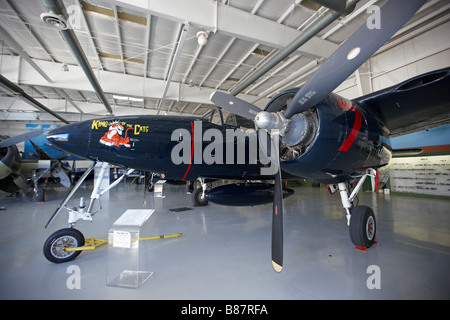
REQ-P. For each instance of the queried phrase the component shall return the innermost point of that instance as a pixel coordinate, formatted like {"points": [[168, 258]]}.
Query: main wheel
{"points": [[60, 239], [41, 194], [198, 200], [362, 226]]}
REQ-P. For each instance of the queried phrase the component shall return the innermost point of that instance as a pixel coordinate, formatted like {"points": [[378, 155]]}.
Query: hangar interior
{"points": [[164, 58]]}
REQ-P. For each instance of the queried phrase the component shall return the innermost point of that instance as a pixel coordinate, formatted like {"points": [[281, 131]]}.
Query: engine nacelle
{"points": [[336, 136], [9, 159], [10, 181]]}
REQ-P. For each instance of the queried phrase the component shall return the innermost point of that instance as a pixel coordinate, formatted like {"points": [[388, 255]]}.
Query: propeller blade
{"points": [[20, 138], [277, 214], [353, 53], [235, 105]]}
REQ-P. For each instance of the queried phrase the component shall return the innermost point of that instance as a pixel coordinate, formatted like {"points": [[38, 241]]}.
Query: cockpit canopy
{"points": [[214, 115], [238, 121]]}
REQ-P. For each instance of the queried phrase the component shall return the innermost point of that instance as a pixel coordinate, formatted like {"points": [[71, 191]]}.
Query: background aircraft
{"points": [[324, 137], [16, 172]]}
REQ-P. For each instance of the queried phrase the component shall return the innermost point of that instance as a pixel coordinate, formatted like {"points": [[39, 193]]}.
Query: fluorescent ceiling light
{"points": [[120, 97], [127, 98]]}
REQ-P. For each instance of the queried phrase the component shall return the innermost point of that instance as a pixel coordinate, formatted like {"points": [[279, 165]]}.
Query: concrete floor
{"points": [[224, 252]]}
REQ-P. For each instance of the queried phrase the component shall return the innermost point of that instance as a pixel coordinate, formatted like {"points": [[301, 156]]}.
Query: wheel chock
{"points": [[360, 248]]}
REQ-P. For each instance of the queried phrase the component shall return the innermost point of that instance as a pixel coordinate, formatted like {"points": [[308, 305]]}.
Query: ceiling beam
{"points": [[68, 99], [20, 110], [27, 30], [238, 64], [304, 37], [119, 43], [12, 43], [191, 65], [174, 62], [280, 68], [57, 7], [230, 21], [16, 90], [89, 35], [349, 18], [218, 59], [111, 82]]}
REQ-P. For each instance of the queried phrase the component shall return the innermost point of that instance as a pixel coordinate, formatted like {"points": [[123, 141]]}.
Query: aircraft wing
{"points": [[417, 104], [41, 154]]}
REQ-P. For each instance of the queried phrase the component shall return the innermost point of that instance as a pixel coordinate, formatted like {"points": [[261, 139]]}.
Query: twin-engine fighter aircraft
{"points": [[302, 133]]}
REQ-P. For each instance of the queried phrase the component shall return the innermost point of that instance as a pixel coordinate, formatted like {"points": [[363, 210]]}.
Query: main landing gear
{"points": [[360, 219], [199, 193]]}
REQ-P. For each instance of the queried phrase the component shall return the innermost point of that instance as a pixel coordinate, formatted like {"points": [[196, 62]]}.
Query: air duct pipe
{"points": [[57, 11], [305, 36]]}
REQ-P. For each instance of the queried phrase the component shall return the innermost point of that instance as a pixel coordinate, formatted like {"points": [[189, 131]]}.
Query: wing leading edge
{"points": [[416, 104]]}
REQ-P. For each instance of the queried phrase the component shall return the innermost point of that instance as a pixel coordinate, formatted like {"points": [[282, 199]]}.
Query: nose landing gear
{"points": [[55, 246]]}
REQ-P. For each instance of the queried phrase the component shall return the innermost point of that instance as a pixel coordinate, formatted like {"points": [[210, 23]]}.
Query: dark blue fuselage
{"points": [[346, 141]]}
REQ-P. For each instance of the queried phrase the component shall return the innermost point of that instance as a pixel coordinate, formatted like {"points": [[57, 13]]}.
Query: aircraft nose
{"points": [[58, 135], [72, 138]]}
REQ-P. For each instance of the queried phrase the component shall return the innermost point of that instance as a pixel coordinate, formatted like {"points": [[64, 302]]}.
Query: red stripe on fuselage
{"points": [[356, 126], [192, 152]]}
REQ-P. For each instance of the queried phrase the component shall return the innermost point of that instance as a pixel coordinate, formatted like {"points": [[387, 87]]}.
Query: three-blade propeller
{"points": [[340, 65], [20, 138]]}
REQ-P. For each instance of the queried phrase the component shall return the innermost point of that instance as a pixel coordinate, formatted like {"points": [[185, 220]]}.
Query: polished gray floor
{"points": [[224, 252]]}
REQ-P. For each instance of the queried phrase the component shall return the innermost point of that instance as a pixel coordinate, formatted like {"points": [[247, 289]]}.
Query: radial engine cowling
{"points": [[331, 142], [9, 165], [9, 159]]}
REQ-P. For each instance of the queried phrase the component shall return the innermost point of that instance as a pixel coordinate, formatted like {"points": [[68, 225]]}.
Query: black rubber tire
{"points": [[198, 201], [67, 237], [41, 194], [363, 226]]}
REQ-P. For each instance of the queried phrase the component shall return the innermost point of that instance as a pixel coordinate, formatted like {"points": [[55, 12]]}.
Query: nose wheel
{"points": [[55, 245]]}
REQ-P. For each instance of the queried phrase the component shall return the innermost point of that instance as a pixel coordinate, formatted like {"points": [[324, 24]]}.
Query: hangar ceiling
{"points": [[146, 57]]}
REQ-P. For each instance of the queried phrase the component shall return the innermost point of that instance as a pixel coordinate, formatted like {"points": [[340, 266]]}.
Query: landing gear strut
{"points": [[360, 219], [55, 245]]}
